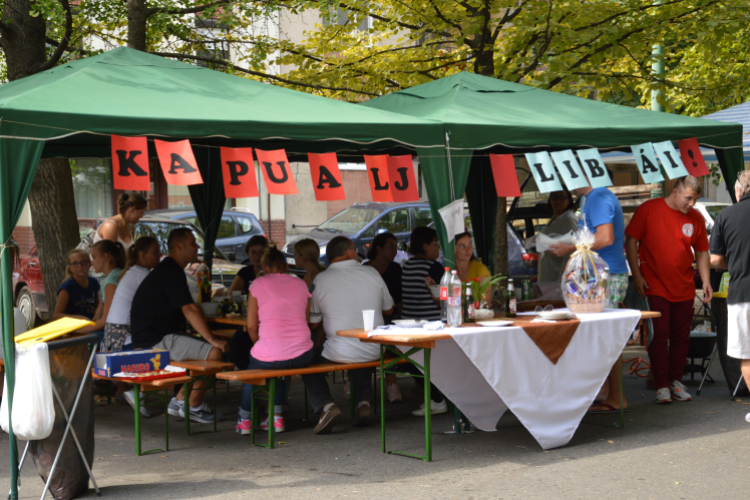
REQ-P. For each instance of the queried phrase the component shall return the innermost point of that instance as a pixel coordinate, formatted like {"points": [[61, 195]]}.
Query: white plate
{"points": [[553, 315], [409, 323], [495, 323]]}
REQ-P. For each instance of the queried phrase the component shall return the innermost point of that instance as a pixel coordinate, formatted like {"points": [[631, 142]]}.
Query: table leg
{"points": [[382, 397], [166, 419], [427, 407], [137, 406], [186, 405], [271, 413]]}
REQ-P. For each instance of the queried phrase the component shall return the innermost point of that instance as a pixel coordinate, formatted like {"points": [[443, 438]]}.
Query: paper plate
{"points": [[495, 323], [553, 315], [409, 323]]}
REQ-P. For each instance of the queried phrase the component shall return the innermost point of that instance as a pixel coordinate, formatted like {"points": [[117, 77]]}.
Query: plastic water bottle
{"points": [[455, 311], [444, 284]]}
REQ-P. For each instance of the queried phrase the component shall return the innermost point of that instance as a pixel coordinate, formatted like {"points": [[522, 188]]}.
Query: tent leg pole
{"points": [[70, 423]]}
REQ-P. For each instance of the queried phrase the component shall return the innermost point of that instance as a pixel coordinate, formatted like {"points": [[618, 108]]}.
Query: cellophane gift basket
{"points": [[585, 282]]}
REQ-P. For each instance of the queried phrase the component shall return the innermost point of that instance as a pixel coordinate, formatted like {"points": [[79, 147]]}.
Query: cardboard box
{"points": [[146, 360]]}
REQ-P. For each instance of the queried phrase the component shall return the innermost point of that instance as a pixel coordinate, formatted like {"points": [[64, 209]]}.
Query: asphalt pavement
{"points": [[693, 450]]}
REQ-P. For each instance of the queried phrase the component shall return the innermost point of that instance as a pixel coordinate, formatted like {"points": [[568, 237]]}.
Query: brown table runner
{"points": [[551, 338]]}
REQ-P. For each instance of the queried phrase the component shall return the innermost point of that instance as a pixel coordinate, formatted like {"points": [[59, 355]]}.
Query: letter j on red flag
{"points": [[238, 170], [130, 170], [401, 175], [326, 177]]}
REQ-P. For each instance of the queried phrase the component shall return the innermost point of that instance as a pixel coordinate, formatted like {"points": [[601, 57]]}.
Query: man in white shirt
{"points": [[340, 294]]}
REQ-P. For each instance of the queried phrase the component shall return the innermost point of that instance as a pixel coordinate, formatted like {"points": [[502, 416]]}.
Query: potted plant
{"points": [[482, 309]]}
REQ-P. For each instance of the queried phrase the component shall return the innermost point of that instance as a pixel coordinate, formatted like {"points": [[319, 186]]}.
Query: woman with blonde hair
{"points": [[121, 227], [77, 297], [307, 257]]}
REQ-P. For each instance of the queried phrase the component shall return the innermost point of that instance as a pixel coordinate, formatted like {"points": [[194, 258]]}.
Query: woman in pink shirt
{"points": [[278, 311]]}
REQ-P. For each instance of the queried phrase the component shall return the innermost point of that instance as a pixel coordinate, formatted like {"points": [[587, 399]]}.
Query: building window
{"points": [[92, 187]]}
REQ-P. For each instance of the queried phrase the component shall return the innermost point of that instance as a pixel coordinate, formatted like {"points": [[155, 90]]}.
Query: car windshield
{"points": [[161, 229], [350, 221], [713, 210]]}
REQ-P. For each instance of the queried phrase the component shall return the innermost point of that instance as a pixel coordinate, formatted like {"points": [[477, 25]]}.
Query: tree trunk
{"points": [[53, 211], [137, 24], [23, 39], [484, 64]]}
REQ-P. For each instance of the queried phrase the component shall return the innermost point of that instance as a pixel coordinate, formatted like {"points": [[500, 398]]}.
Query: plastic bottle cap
{"points": [[454, 272], [447, 268]]}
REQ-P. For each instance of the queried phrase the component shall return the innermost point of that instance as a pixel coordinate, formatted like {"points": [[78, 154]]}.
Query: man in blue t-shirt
{"points": [[602, 214]]}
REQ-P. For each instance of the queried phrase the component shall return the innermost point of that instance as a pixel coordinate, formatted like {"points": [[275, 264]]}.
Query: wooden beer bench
{"points": [[266, 379], [155, 386]]}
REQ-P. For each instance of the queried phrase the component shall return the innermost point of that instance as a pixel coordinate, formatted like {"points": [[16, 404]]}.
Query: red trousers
{"points": [[668, 348]]}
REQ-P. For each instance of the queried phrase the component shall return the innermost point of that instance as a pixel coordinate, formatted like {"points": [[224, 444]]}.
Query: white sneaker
{"points": [[130, 398], [663, 395], [437, 408], [679, 392]]}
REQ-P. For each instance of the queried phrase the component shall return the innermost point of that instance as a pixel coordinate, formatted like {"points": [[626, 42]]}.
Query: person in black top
{"points": [[383, 250], [730, 249], [254, 249], [157, 319]]}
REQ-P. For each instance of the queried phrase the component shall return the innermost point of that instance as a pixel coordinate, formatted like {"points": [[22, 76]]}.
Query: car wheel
{"points": [[25, 304]]}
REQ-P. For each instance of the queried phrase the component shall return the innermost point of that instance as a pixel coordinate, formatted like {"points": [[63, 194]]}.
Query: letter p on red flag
{"points": [[130, 170], [326, 177], [276, 171], [238, 170]]}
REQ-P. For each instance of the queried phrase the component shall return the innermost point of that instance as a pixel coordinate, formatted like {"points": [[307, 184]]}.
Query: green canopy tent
{"points": [[71, 110], [485, 115]]}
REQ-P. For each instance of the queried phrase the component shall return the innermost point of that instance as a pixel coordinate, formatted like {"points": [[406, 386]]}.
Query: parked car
{"points": [[710, 210], [361, 222], [28, 284], [235, 228]]}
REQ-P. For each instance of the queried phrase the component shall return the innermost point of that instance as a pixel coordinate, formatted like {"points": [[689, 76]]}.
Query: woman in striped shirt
{"points": [[417, 274]]}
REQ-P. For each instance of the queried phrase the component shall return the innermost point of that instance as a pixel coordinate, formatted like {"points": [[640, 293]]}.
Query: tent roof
{"points": [[736, 114], [128, 92], [481, 112]]}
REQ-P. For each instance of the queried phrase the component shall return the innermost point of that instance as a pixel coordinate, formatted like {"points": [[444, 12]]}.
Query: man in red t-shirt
{"points": [[667, 235]]}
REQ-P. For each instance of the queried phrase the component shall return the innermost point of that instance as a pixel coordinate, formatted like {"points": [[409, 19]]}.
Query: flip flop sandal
{"points": [[602, 409]]}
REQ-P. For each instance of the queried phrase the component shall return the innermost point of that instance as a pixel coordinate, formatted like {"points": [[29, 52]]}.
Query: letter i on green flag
{"points": [[543, 172], [647, 164], [594, 166], [670, 159], [570, 170]]}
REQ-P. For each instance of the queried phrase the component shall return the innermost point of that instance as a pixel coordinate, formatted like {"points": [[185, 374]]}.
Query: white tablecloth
{"points": [[486, 371]]}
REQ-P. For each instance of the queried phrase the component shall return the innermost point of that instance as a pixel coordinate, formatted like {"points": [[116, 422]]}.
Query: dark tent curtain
{"points": [[482, 198], [18, 164], [208, 198]]}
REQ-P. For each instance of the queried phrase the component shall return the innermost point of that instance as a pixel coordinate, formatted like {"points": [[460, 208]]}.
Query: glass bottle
{"points": [[510, 300]]}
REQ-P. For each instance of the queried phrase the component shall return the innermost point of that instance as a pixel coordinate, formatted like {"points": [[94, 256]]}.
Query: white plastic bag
{"points": [[33, 407]]}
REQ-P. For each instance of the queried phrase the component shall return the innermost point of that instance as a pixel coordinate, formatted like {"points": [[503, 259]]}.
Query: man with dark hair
{"points": [[663, 239], [730, 249], [337, 247], [340, 294], [160, 306]]}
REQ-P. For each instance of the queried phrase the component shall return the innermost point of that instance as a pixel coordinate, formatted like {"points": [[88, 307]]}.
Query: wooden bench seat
{"points": [[225, 334], [259, 377], [203, 367]]}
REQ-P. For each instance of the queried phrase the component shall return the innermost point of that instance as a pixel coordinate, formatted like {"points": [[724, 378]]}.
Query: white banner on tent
{"points": [[570, 170], [647, 164], [453, 218], [543, 171], [594, 166], [670, 160]]}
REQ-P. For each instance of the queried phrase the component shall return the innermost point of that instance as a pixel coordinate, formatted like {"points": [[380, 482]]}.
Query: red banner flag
{"points": [[130, 170], [692, 157], [401, 175], [377, 172], [239, 173], [178, 163], [326, 177], [504, 173], [276, 171]]}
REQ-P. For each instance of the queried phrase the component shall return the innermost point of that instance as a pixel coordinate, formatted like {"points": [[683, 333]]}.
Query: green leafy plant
{"points": [[479, 288]]}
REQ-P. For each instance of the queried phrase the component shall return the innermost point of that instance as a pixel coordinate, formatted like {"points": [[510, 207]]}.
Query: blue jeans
{"points": [[301, 361]]}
